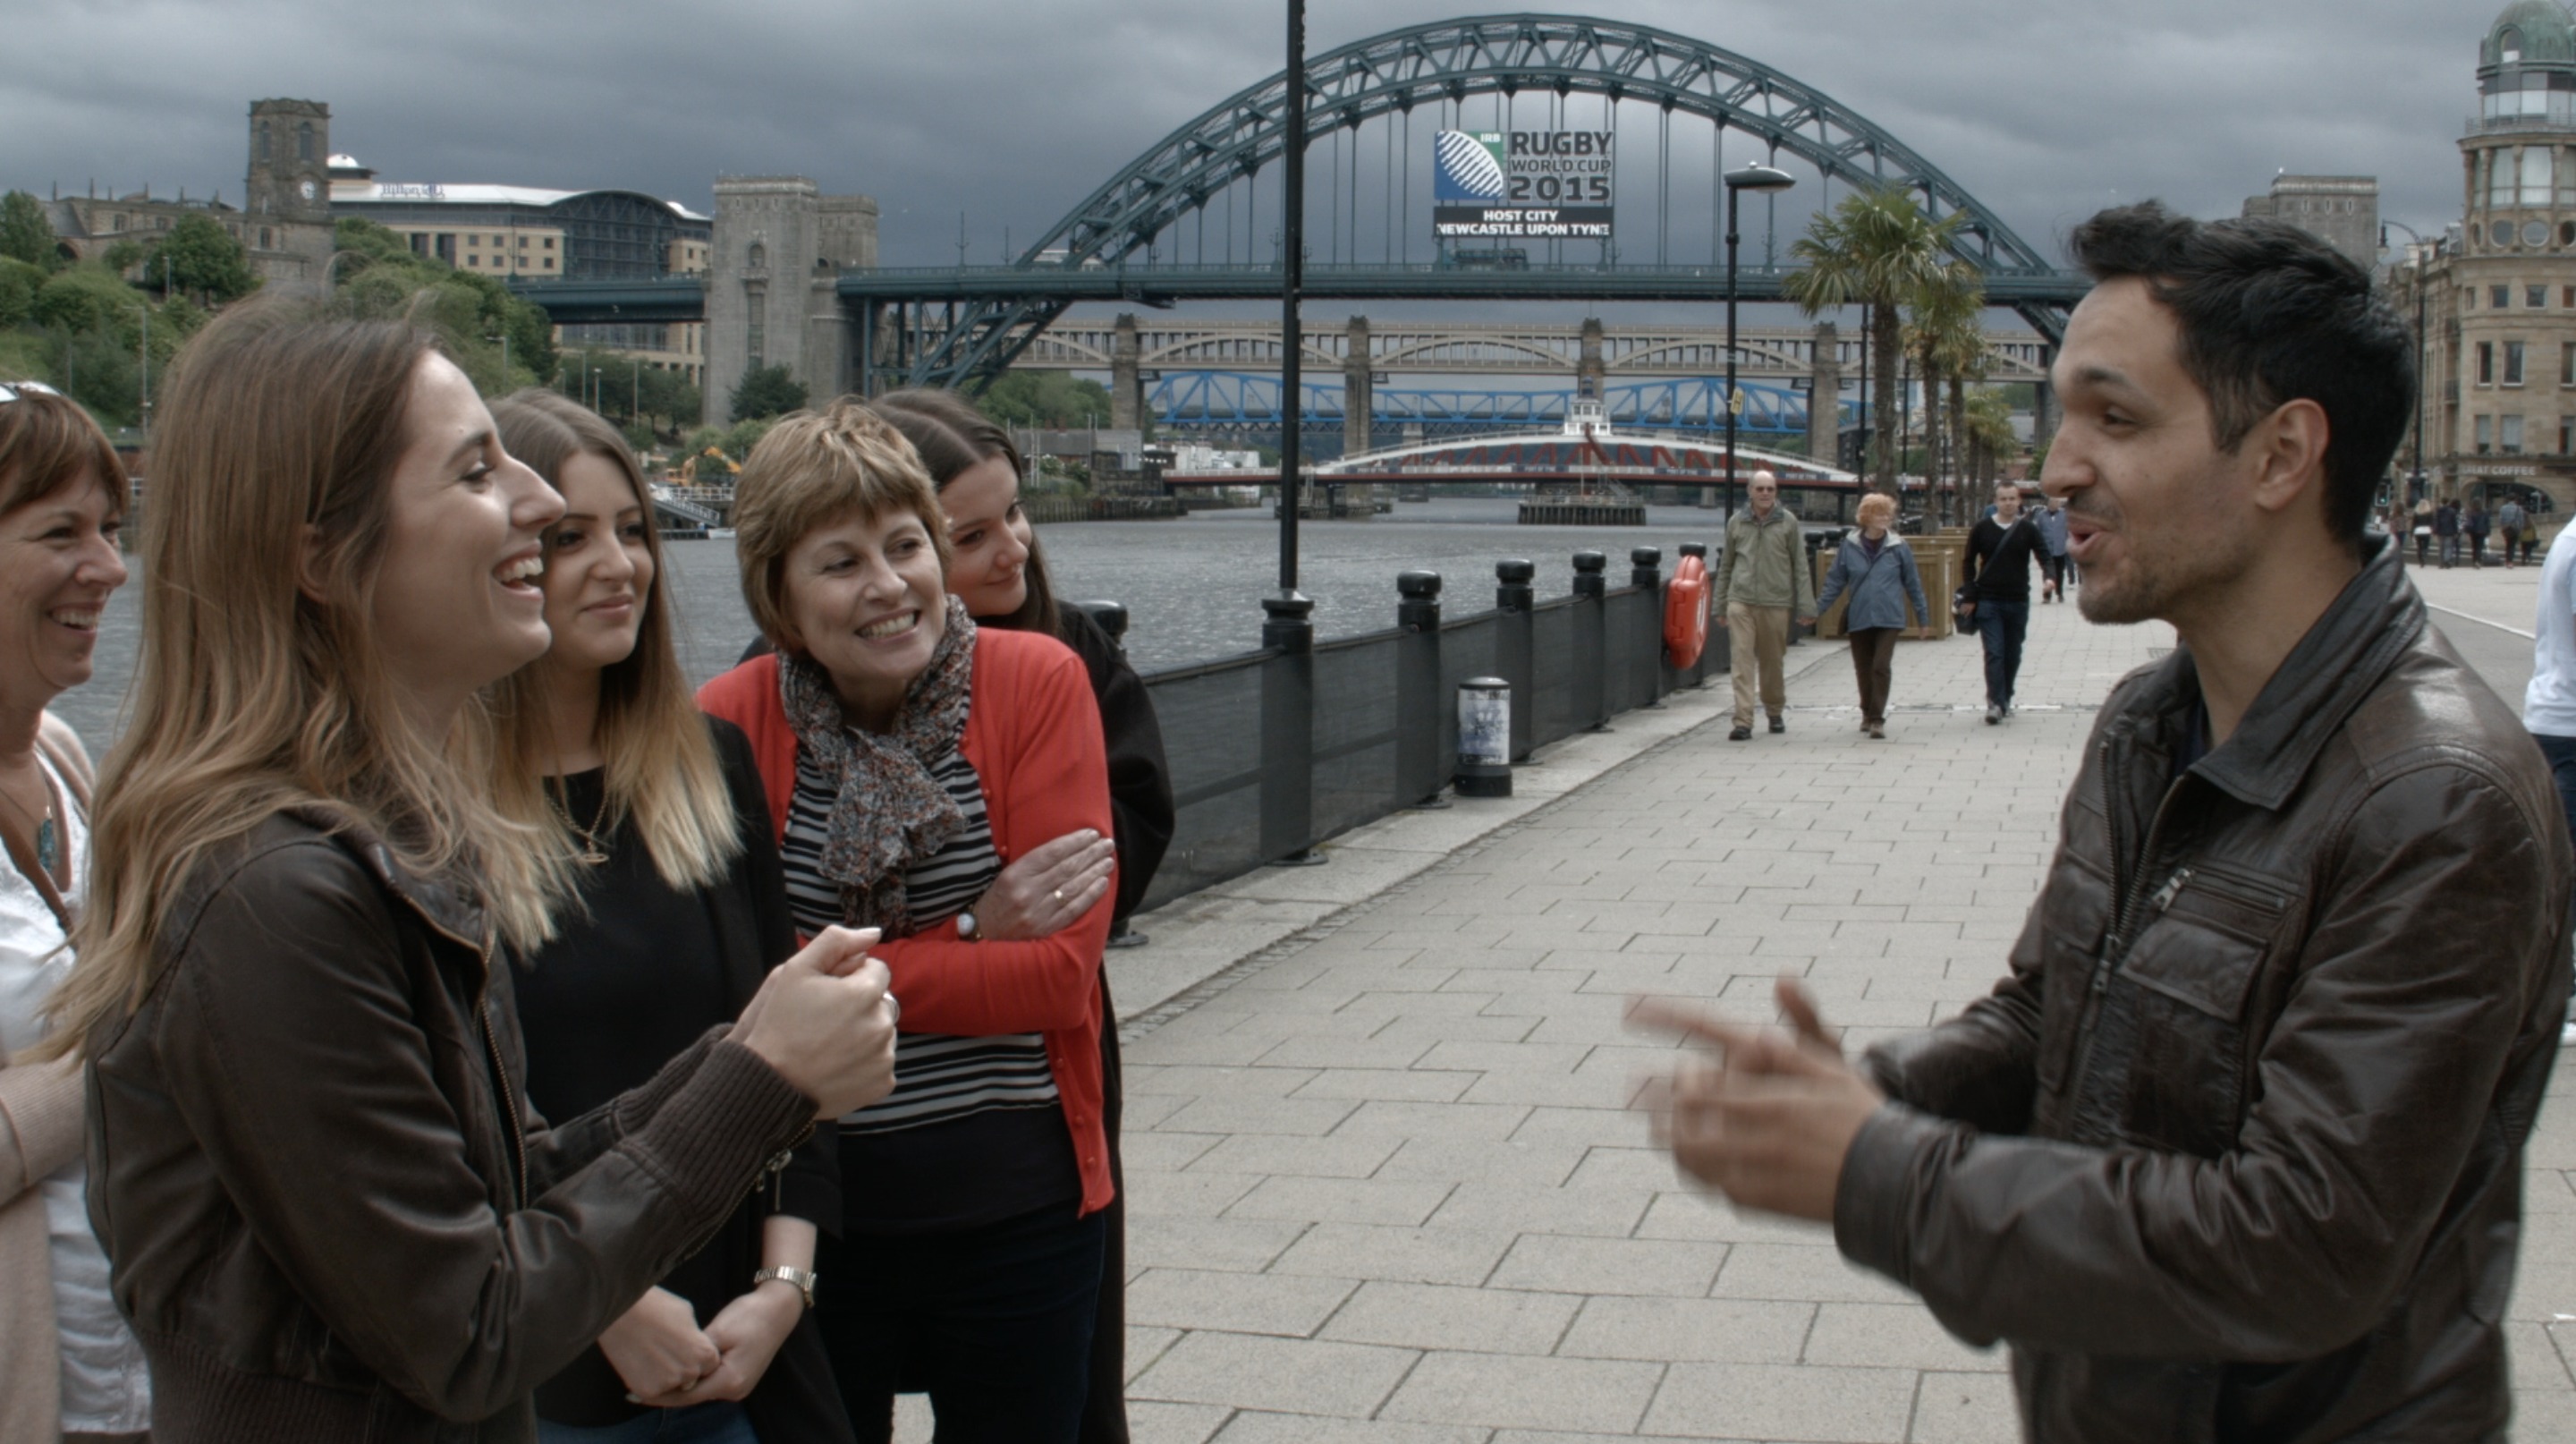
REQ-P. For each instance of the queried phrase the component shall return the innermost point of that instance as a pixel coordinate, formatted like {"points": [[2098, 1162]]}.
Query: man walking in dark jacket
{"points": [[1999, 552], [2236, 1149]]}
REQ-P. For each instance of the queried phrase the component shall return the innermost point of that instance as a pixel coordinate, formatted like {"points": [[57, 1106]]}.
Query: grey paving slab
{"points": [[1437, 1316], [1291, 1376], [1523, 1392], [1777, 1401]]}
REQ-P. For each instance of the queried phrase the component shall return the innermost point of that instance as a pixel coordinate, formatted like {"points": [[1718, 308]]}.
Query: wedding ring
{"points": [[894, 1007], [1059, 894]]}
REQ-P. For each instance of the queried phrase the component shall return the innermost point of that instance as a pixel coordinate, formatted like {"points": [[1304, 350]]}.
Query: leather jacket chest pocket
{"points": [[2172, 1046]]}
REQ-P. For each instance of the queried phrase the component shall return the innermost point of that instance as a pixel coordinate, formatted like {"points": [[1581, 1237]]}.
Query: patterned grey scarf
{"points": [[888, 813]]}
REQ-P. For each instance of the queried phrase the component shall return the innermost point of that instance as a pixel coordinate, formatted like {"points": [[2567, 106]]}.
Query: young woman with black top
{"points": [[997, 569], [662, 838], [1999, 553]]}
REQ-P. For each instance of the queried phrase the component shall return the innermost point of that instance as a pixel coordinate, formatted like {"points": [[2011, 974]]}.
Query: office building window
{"points": [[2571, 291], [2486, 363], [550, 241], [2500, 297], [2535, 297], [2509, 435], [550, 261], [2513, 363], [2567, 363], [2486, 434], [473, 242], [2566, 435]]}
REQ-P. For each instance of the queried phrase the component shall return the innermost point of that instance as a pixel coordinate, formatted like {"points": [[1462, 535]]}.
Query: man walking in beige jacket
{"points": [[1762, 580]]}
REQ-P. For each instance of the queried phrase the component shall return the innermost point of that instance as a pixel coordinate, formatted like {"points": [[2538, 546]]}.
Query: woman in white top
{"points": [[68, 1365]]}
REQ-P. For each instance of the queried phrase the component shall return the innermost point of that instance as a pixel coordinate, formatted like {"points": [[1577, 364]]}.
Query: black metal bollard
{"points": [[1288, 732], [1646, 574], [1419, 721], [1696, 674], [1516, 644], [1592, 638]]}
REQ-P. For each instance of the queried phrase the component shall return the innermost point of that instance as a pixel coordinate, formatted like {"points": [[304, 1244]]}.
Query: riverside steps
{"points": [[1382, 1181]]}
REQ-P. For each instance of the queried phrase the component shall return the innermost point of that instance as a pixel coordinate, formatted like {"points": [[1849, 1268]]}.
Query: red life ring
{"points": [[1686, 613]]}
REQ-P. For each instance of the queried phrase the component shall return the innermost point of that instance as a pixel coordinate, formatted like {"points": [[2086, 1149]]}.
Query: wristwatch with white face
{"points": [[966, 928], [803, 1279]]}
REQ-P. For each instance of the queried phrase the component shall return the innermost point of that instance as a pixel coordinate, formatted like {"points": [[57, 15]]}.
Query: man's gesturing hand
{"points": [[1768, 1121], [821, 1019]]}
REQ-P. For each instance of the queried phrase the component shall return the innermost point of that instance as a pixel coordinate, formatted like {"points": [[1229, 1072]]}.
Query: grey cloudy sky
{"points": [[1013, 112]]}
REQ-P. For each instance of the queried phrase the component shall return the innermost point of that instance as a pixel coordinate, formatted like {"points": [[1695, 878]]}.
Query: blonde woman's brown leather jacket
{"points": [[331, 1213], [2236, 1150]]}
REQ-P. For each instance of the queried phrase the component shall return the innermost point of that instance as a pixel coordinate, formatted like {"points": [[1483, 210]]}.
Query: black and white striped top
{"points": [[937, 1077]]}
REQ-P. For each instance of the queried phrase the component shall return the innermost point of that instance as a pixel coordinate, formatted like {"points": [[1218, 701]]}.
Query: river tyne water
{"points": [[1192, 587]]}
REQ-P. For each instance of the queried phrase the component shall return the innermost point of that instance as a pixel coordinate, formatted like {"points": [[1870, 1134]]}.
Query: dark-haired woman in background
{"points": [[662, 838], [996, 567]]}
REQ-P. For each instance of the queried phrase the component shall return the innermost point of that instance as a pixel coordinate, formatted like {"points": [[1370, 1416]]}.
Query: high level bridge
{"points": [[1194, 218]]}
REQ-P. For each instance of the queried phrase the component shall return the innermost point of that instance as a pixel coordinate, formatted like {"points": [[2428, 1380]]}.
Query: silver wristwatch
{"points": [[803, 1279], [966, 928]]}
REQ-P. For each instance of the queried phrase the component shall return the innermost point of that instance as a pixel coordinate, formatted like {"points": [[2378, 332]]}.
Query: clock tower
{"points": [[290, 153]]}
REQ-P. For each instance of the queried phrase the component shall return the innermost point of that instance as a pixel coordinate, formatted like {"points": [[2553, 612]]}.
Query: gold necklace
{"points": [[591, 854]]}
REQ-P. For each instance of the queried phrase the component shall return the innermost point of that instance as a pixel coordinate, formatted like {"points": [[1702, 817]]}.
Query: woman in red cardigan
{"points": [[915, 764]]}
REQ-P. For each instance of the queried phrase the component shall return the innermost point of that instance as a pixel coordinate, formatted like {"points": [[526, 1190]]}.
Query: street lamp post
{"points": [[2423, 347], [1738, 181]]}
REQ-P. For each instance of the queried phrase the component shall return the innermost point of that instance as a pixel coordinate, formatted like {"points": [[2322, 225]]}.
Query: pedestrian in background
{"points": [[1762, 582], [2422, 530], [920, 766], [69, 1366], [1999, 553], [1877, 568], [2051, 522], [2446, 533], [2474, 522], [660, 839], [2511, 519], [997, 568], [332, 1212]]}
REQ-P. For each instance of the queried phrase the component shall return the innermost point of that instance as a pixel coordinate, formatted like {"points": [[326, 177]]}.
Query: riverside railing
{"points": [[1276, 750]]}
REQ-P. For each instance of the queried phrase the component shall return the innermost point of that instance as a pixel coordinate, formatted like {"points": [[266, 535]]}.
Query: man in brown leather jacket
{"points": [[2235, 1151]]}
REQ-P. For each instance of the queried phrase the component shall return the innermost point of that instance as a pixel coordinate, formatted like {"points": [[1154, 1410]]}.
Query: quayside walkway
{"points": [[1383, 1187]]}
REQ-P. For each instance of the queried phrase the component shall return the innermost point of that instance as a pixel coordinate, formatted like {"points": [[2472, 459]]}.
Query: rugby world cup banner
{"points": [[1522, 184]]}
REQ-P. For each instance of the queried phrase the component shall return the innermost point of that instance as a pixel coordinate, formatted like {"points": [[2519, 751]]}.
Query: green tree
{"points": [[1876, 248], [19, 283], [1990, 432], [1051, 399], [25, 234], [87, 297], [201, 258], [378, 273], [766, 391]]}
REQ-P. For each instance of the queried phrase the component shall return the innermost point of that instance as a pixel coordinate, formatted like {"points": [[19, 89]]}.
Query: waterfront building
{"points": [[2496, 293], [284, 222], [531, 233], [2340, 210]]}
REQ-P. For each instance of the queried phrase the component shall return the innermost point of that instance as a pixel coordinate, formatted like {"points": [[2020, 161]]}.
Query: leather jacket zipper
{"points": [[501, 1076], [2125, 918]]}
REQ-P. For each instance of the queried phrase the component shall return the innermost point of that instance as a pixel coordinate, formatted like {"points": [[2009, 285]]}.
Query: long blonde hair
{"points": [[662, 768], [249, 696]]}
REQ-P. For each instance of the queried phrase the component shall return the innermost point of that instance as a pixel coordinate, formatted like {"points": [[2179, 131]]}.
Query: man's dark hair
{"points": [[2269, 315]]}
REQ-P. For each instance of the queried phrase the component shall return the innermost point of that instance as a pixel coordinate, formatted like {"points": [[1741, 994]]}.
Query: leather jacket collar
{"points": [[2361, 635]]}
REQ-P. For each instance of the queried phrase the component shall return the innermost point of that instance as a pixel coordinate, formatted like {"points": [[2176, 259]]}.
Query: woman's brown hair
{"points": [[953, 437], [47, 442], [809, 471], [250, 696], [662, 770]]}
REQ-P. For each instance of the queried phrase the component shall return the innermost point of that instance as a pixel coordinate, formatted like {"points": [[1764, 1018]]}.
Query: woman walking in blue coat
{"points": [[1877, 568]]}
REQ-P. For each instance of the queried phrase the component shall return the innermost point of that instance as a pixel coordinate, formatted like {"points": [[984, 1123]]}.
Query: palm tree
{"points": [[1949, 341], [1876, 248], [1989, 433]]}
